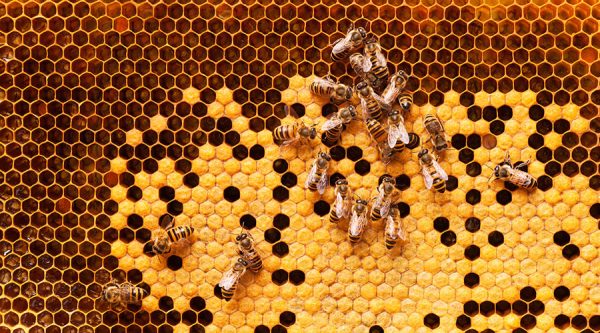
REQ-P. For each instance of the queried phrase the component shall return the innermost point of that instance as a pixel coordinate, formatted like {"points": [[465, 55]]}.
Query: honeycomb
{"points": [[114, 115]]}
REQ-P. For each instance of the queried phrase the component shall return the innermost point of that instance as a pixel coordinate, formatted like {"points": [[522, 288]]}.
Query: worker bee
{"points": [[351, 42], [357, 62], [248, 252], [333, 126], [338, 93], [369, 101], [433, 173], [343, 201], [162, 243], [393, 228], [405, 100], [375, 69], [513, 174], [123, 294], [317, 176], [377, 132], [383, 199], [396, 130], [394, 87], [434, 127], [297, 132], [386, 154], [358, 221], [231, 278]]}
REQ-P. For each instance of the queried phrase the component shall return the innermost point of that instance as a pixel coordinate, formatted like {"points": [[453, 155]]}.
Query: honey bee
{"points": [[512, 174], [162, 243], [375, 68], [383, 200], [377, 132], [248, 252], [123, 294], [393, 228], [433, 173], [317, 176], [338, 93], [434, 127], [343, 201], [369, 101], [297, 132], [231, 278], [396, 130], [357, 62], [351, 42], [358, 221], [394, 88], [386, 153], [333, 126], [405, 100]]}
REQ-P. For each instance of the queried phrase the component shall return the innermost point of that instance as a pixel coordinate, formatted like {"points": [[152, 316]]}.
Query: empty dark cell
{"points": [[561, 154], [189, 317], [174, 262], [297, 110], [279, 277], [247, 222], [579, 322], [570, 251], [143, 235], [231, 193], [595, 211], [281, 221], [281, 249], [561, 238], [337, 153], [571, 169], [589, 139], [448, 238], [191, 180], [466, 98], [595, 322], [451, 183], [504, 197], [165, 303], [297, 277], [473, 196], [183, 166], [404, 209], [570, 139], [261, 329], [471, 308], [561, 126], [257, 124], [544, 154], [205, 317], [165, 221], [471, 280], [474, 141], [505, 112], [272, 235], [473, 169], [562, 321], [519, 307], [536, 307], [527, 294], [257, 152], [402, 182], [362, 167], [528, 321], [552, 168], [215, 138], [278, 329], [281, 193], [289, 179], [175, 207], [287, 318], [134, 193], [543, 126], [441, 224], [474, 113], [354, 153], [535, 141], [207, 124], [580, 154], [463, 322], [166, 193], [224, 124], [134, 221], [328, 109], [489, 113], [472, 252], [431, 320], [126, 235], [545, 183], [458, 141], [321, 208], [378, 329], [466, 155], [472, 224], [503, 308], [232, 138], [486, 308], [595, 182], [497, 127], [280, 165]]}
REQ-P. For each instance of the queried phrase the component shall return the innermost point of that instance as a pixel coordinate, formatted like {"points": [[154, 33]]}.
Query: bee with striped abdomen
{"points": [[162, 243], [353, 40], [512, 174], [248, 252], [123, 294], [333, 127], [383, 199], [317, 176], [435, 128], [231, 278], [433, 174], [377, 132], [405, 100], [393, 228], [396, 130], [393, 89], [343, 201], [358, 221], [369, 101], [375, 68], [338, 93], [294, 133]]}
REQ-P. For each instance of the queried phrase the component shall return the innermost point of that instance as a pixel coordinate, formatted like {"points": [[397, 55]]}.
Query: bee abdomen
{"points": [[375, 214], [333, 217], [439, 185], [318, 89], [376, 130], [228, 293], [254, 262], [284, 132], [533, 184], [390, 242], [354, 239], [340, 55], [178, 233], [332, 135]]}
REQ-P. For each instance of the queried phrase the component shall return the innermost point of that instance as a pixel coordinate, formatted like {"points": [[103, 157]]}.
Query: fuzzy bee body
{"points": [[338, 93], [334, 126], [393, 228], [358, 221], [376, 71], [122, 294], [433, 174], [396, 130], [297, 132], [351, 42], [394, 88], [512, 174], [434, 127], [343, 203], [231, 278], [383, 199], [405, 100], [162, 243], [248, 252], [377, 132], [317, 176], [369, 101]]}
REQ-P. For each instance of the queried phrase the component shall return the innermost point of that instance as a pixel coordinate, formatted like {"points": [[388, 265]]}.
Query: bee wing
{"points": [[390, 225], [365, 109], [338, 45], [339, 205], [385, 208], [401, 232], [358, 223], [228, 279], [439, 170], [310, 175], [381, 59], [322, 185], [332, 122], [427, 177], [393, 135]]}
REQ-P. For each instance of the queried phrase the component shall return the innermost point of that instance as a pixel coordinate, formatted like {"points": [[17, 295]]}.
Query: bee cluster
{"points": [[384, 101]]}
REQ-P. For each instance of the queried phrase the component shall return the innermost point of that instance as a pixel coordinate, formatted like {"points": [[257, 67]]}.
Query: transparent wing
{"points": [[366, 65], [358, 223], [381, 59], [401, 232], [390, 225], [342, 44], [324, 82], [439, 170], [311, 173], [385, 208], [428, 179], [322, 185], [229, 279], [365, 109], [339, 205], [397, 132], [347, 206], [332, 122]]}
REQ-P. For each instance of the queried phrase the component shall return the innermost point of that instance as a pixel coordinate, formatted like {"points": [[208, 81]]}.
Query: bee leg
{"points": [[522, 165], [507, 158]]}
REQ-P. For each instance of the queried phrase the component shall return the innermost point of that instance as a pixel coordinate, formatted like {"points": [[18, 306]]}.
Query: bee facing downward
{"points": [[358, 221], [435, 128], [370, 102], [294, 133], [231, 278], [123, 294], [433, 173], [394, 87], [375, 69], [247, 250], [333, 126], [512, 174], [343, 201], [383, 199], [317, 176], [162, 243], [396, 130], [351, 42], [338, 93], [393, 228]]}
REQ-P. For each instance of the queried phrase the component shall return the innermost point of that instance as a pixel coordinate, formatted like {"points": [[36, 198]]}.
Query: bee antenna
{"points": [[487, 166]]}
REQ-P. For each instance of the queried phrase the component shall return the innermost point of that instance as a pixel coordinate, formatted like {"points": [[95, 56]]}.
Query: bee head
{"points": [[440, 142], [347, 114], [240, 264], [362, 88], [109, 294], [423, 152], [361, 205], [362, 32], [371, 44], [241, 237], [394, 116], [325, 156], [160, 244], [342, 184], [500, 172], [246, 243]]}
